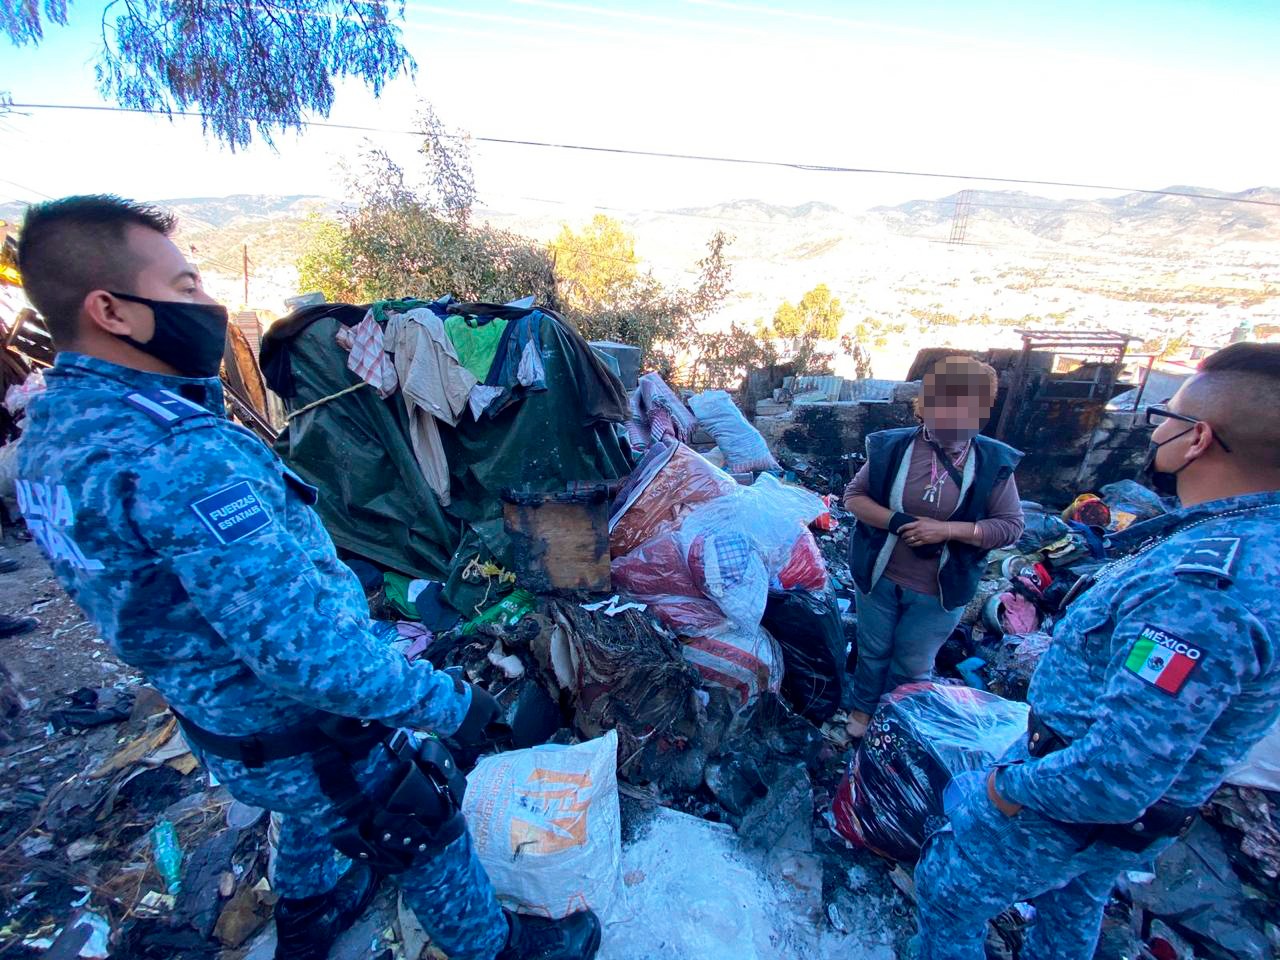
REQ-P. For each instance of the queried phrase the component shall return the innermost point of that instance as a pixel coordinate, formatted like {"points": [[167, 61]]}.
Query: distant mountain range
{"points": [[268, 224], [205, 212], [759, 208], [1150, 216], [1155, 265], [219, 227], [223, 211]]}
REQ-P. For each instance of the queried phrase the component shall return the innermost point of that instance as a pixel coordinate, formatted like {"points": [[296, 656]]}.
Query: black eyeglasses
{"points": [[1158, 415]]}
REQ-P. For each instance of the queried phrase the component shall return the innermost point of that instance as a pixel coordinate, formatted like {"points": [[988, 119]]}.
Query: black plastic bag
{"points": [[923, 735], [809, 630]]}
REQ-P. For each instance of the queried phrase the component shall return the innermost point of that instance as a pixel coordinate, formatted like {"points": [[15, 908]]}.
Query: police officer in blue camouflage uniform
{"points": [[196, 552], [1163, 674]]}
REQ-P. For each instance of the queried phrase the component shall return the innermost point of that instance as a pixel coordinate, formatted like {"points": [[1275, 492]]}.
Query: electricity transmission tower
{"points": [[960, 219]]}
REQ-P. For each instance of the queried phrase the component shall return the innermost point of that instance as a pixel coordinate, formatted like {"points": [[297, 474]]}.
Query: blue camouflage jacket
{"points": [[196, 553], [1165, 672]]}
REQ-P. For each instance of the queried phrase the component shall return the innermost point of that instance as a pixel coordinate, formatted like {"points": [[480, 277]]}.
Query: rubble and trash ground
{"points": [[78, 807]]}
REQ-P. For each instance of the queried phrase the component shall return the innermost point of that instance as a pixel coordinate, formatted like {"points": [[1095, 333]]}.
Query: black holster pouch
{"points": [[1161, 819], [418, 810], [416, 813], [1042, 739]]}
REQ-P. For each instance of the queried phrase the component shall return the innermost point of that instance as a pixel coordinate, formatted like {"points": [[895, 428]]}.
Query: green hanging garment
{"points": [[476, 345]]}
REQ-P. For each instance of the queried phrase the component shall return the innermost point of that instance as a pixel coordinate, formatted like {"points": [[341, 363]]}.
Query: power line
{"points": [[681, 23], [701, 158], [22, 186], [827, 168], [95, 108]]}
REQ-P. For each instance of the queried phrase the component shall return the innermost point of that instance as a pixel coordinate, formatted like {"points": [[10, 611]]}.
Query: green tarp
{"points": [[373, 498]]}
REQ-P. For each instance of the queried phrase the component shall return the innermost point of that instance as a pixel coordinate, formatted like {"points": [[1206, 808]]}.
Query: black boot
{"points": [[307, 927], [576, 937]]}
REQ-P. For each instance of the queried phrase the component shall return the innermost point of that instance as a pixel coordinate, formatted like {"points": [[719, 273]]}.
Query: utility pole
{"points": [[246, 274]]}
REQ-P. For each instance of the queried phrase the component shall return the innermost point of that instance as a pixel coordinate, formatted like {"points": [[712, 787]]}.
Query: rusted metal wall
{"points": [[1055, 435]]}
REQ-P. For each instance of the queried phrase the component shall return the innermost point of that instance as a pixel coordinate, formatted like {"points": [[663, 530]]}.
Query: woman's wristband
{"points": [[898, 521]]}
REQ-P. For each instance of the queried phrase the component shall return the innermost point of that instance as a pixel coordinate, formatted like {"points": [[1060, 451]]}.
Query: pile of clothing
{"points": [[412, 416], [1004, 629]]}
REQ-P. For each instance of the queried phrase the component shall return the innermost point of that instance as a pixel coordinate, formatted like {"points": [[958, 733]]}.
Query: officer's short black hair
{"points": [[1237, 391], [73, 246], [1259, 359]]}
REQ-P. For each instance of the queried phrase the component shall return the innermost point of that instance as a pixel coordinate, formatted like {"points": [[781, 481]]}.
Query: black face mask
{"points": [[190, 337], [1163, 482]]}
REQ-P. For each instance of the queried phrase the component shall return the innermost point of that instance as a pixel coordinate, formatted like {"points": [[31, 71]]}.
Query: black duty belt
{"points": [[1161, 819], [352, 738]]}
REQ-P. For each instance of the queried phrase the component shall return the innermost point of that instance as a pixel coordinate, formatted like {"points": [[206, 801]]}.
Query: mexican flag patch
{"points": [[1162, 659]]}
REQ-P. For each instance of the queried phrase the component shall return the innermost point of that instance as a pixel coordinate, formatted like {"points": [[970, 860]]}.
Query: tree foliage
{"points": [[23, 20], [399, 240], [854, 348], [451, 183], [597, 266], [327, 263], [246, 67], [876, 331], [1165, 345], [724, 357], [803, 327], [609, 298], [867, 334], [817, 316]]}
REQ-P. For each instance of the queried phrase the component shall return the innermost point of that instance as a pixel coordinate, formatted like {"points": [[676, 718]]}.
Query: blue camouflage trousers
{"points": [[983, 862], [449, 892]]}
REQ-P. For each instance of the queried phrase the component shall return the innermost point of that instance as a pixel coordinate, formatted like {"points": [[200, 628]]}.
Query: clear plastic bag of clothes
{"points": [[806, 568], [744, 449], [668, 483], [657, 573], [711, 580], [772, 515], [922, 736], [727, 552], [744, 662], [19, 396]]}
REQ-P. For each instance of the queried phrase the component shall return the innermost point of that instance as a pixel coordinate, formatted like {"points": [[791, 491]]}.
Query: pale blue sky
{"points": [[1141, 94]]}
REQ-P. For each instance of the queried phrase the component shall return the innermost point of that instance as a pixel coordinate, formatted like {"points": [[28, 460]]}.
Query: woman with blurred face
{"points": [[931, 502]]}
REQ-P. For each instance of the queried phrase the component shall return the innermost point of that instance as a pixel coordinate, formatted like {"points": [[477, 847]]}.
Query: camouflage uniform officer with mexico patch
{"points": [[1163, 673], [196, 552]]}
